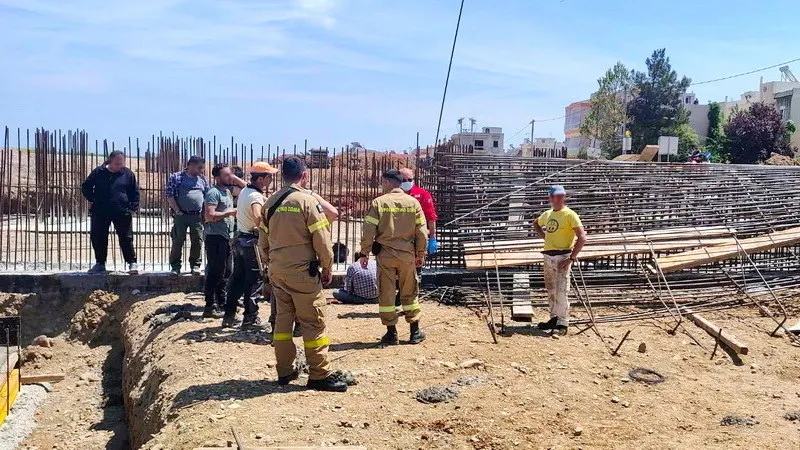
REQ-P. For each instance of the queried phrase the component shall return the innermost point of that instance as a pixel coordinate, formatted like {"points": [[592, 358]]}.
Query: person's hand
{"points": [[433, 246], [419, 262], [327, 276], [364, 261], [230, 212], [564, 265]]}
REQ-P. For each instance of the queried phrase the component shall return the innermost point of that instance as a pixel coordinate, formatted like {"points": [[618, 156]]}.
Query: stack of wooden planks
{"points": [[711, 254], [522, 252]]}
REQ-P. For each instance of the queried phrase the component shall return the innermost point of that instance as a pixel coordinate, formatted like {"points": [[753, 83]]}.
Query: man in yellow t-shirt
{"points": [[564, 237]]}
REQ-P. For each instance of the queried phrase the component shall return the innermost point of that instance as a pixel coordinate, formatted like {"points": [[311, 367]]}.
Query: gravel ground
{"points": [[21, 422]]}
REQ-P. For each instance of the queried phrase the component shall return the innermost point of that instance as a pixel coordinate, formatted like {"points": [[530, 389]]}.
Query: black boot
{"points": [[416, 335], [253, 323], [298, 332], [283, 381], [560, 330], [549, 325], [329, 384], [390, 338], [212, 312], [229, 321]]}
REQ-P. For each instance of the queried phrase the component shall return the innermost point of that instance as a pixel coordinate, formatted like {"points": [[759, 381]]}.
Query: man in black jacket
{"points": [[113, 195]]}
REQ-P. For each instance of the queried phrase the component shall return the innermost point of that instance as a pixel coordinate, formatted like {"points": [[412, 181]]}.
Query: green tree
{"points": [[715, 137], [753, 135], [657, 108], [608, 112]]}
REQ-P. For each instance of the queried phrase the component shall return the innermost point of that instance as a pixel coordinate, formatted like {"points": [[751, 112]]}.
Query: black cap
{"points": [[394, 175], [292, 167]]}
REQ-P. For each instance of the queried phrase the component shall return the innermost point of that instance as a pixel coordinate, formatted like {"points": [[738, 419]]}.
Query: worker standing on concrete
{"points": [[185, 193], [297, 242], [246, 270], [396, 233], [220, 217], [564, 237], [113, 195]]}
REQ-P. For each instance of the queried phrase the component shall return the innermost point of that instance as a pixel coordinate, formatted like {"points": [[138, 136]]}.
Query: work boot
{"points": [[98, 268], [329, 384], [195, 271], [229, 321], [390, 338], [212, 312], [560, 330], [175, 271], [416, 335], [133, 269], [549, 325], [253, 323], [283, 381]]}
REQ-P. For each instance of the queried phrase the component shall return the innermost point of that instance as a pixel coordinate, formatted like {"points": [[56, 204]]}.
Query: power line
{"points": [[449, 67]]}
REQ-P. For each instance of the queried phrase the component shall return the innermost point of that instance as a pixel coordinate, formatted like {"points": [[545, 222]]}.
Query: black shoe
{"points": [[229, 321], [253, 323], [329, 384], [212, 312], [416, 337], [283, 381], [298, 332], [560, 330], [390, 338], [549, 325]]}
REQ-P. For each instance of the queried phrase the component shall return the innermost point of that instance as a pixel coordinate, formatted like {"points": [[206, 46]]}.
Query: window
{"points": [[495, 144], [478, 142]]}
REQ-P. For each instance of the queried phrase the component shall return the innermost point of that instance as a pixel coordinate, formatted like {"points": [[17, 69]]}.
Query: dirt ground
{"points": [[188, 382]]}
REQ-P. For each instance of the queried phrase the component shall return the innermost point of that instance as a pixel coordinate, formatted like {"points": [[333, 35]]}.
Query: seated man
{"points": [[360, 285]]}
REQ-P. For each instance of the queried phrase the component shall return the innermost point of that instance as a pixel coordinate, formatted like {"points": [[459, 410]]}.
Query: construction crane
{"points": [[787, 75]]}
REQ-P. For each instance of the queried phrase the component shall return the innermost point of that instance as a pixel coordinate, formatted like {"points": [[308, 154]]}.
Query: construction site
{"points": [[685, 306]]}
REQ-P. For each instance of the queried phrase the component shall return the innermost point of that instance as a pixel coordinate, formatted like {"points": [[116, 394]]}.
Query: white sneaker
{"points": [[133, 269]]}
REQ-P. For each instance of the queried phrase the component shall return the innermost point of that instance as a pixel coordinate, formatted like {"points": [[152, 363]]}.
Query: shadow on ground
{"points": [[237, 389]]}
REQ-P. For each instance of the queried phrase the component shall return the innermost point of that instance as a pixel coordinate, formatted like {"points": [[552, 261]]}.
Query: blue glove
{"points": [[433, 246]]}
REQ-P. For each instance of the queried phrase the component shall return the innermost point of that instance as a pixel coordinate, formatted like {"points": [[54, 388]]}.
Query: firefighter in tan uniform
{"points": [[297, 243], [396, 233]]}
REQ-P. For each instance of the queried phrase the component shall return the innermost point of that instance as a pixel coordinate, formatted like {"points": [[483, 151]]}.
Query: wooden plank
{"points": [[521, 306], [44, 378], [725, 337], [483, 261], [8, 393], [708, 255]]}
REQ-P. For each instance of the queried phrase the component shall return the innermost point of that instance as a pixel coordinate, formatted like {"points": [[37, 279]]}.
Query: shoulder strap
{"points": [[278, 203]]}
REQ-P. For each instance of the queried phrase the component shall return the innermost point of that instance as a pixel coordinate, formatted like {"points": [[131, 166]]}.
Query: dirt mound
{"points": [[781, 160], [11, 304], [96, 320]]}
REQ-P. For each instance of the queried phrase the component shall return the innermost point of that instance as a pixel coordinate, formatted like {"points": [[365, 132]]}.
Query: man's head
{"points": [[195, 166], [408, 179], [391, 179], [557, 195], [238, 171], [261, 175], [222, 174], [357, 256], [294, 170], [115, 161]]}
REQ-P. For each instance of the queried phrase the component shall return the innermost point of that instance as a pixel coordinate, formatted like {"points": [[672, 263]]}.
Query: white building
{"points": [[488, 140], [542, 148]]}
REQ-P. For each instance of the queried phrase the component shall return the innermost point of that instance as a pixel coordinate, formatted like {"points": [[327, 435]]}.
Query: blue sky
{"points": [[335, 71]]}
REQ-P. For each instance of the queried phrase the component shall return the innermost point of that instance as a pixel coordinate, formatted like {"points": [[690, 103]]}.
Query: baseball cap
{"points": [[393, 174], [262, 167], [292, 167], [556, 189]]}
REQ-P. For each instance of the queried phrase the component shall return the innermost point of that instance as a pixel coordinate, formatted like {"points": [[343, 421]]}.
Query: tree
{"points": [[657, 107], [715, 137], [608, 111], [688, 140], [753, 135]]}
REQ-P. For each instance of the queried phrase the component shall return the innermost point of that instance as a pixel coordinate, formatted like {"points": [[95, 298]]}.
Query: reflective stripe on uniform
{"points": [[371, 220], [386, 309], [397, 209], [420, 220], [412, 307], [292, 209], [282, 337], [263, 228], [316, 343], [316, 226]]}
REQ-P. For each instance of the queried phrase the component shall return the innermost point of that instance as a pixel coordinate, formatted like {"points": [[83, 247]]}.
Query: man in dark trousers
{"points": [[185, 194], [220, 217], [113, 195]]}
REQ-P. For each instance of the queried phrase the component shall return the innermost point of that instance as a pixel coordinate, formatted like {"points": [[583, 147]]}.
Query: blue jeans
{"points": [[346, 297]]}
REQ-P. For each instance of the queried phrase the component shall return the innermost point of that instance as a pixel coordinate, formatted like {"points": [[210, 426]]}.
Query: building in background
{"points": [[487, 140], [788, 104], [542, 148], [574, 116]]}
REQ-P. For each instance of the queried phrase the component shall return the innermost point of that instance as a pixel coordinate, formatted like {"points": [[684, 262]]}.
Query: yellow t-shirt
{"points": [[558, 226]]}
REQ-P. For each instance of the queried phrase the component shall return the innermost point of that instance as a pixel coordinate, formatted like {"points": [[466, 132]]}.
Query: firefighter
{"points": [[396, 233], [297, 244]]}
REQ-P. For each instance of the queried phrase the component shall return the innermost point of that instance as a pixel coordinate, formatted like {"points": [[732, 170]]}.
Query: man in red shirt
{"points": [[428, 207]]}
